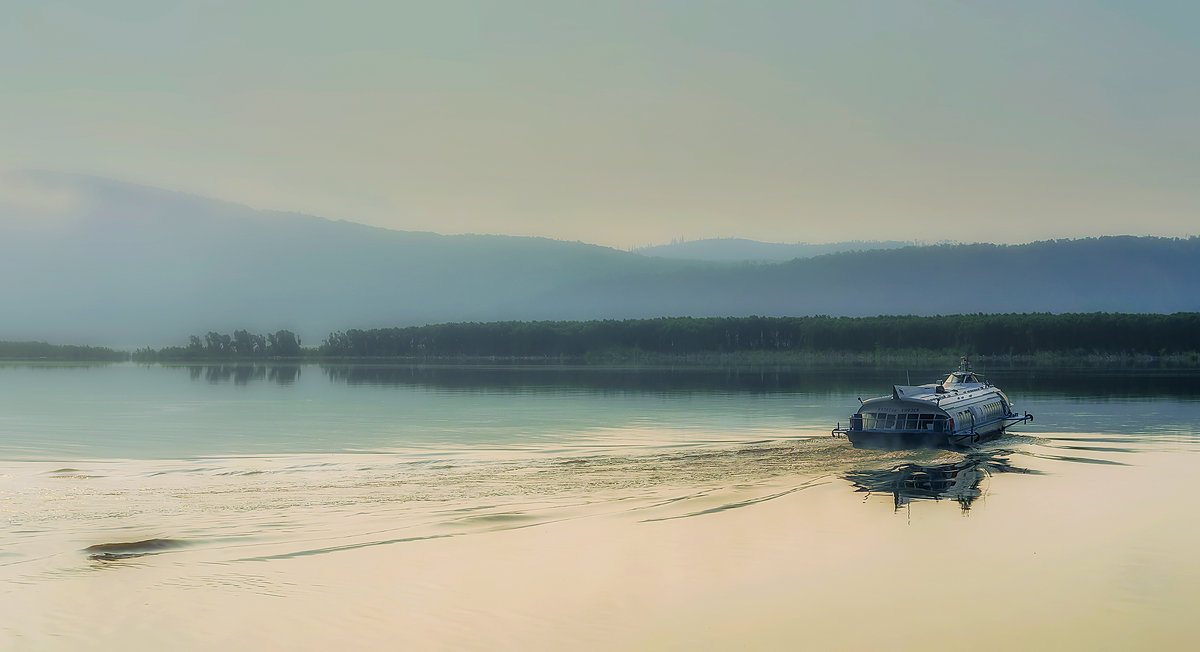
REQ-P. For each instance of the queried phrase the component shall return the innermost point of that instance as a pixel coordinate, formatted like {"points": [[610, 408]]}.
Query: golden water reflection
{"points": [[960, 480]]}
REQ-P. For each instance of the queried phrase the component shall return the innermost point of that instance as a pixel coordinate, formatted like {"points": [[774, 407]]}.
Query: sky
{"points": [[628, 123]]}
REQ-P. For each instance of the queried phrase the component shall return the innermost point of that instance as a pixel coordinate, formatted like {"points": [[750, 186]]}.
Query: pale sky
{"points": [[628, 123]]}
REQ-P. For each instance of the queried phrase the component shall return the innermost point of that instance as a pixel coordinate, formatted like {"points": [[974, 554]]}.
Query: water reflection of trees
{"points": [[242, 374], [959, 481], [753, 379], [766, 379]]}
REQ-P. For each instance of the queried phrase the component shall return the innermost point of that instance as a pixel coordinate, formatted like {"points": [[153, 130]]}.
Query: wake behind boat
{"points": [[963, 409]]}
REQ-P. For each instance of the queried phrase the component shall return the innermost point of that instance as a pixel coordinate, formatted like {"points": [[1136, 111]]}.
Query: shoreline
{"points": [[635, 359]]}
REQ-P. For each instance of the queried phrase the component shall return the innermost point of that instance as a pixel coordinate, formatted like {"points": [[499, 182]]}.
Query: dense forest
{"points": [[23, 351], [1008, 334], [242, 345], [1176, 334]]}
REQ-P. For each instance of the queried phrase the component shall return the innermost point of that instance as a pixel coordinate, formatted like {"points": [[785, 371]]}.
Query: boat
{"points": [[961, 410]]}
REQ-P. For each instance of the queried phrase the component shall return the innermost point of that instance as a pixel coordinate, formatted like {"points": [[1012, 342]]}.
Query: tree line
{"points": [[977, 334], [999, 334], [23, 351], [219, 346]]}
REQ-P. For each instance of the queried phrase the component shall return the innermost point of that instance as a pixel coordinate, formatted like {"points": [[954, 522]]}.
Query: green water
{"points": [[153, 412]]}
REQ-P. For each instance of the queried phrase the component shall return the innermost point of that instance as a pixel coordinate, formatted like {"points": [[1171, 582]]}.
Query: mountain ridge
{"points": [[151, 267], [746, 250]]}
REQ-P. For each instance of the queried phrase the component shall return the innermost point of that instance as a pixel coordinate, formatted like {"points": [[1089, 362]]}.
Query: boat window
{"points": [[868, 420], [910, 422]]}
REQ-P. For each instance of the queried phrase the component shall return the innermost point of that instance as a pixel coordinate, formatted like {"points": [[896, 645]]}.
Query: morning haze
{"points": [[94, 261], [628, 123], [406, 361]]}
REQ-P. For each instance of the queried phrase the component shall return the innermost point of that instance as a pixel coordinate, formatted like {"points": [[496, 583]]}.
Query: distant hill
{"points": [[738, 250], [95, 261], [1113, 274], [106, 262]]}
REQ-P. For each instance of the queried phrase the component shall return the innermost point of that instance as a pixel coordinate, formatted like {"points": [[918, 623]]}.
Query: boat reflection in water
{"points": [[959, 481]]}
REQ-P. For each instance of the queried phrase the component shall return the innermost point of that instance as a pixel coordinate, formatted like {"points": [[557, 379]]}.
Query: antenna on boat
{"points": [[908, 376]]}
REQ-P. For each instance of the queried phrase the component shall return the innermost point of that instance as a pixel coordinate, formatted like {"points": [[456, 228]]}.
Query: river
{"points": [[543, 507]]}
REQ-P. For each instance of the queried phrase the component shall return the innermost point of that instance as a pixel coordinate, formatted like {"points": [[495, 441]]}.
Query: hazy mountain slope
{"points": [[91, 261], [127, 264], [738, 250], [1100, 274]]}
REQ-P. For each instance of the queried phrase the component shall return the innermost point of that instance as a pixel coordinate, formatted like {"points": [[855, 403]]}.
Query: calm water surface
{"points": [[454, 506]]}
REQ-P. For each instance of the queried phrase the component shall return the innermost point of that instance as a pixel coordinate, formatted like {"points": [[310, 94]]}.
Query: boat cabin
{"points": [[957, 378], [962, 376]]}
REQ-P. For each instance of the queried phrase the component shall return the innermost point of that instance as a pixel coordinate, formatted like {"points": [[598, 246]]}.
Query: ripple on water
{"points": [[67, 473], [120, 550]]}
